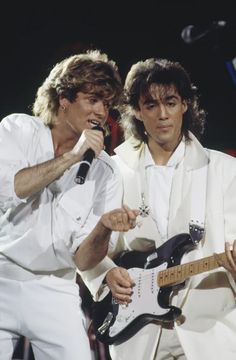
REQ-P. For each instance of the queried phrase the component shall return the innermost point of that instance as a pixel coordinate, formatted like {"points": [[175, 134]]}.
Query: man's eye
{"points": [[93, 100], [151, 105]]}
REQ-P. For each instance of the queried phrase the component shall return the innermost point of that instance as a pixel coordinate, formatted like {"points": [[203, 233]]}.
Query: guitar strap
{"points": [[198, 203], [198, 215]]}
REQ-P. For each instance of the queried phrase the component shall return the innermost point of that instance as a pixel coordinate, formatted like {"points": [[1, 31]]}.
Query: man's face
{"points": [[86, 111], [162, 115]]}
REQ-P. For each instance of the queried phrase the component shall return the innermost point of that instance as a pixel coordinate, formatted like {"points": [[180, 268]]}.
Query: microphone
{"points": [[191, 33], [85, 164]]}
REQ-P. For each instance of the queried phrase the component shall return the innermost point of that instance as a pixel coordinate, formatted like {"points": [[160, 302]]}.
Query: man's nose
{"points": [[100, 109], [163, 112]]}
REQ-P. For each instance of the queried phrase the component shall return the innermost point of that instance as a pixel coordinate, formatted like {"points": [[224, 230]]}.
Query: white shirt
{"points": [[42, 233], [159, 181]]}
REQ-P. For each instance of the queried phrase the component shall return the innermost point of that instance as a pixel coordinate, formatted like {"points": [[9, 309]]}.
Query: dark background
{"points": [[36, 35]]}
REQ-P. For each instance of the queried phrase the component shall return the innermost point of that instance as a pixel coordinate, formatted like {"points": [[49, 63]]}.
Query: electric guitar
{"points": [[157, 274]]}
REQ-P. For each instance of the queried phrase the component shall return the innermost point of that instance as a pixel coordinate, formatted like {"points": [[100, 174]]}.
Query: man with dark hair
{"points": [[186, 198]]}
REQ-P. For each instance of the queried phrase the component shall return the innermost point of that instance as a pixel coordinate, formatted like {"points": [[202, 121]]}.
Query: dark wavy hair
{"points": [[165, 73], [90, 71]]}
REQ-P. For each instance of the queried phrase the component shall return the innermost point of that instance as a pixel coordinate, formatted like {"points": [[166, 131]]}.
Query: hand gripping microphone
{"points": [[85, 164]]}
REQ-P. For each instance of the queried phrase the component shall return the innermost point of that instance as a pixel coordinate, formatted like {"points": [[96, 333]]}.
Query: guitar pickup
{"points": [[106, 323]]}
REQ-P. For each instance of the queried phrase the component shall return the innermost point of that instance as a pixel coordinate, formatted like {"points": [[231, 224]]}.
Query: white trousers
{"points": [[147, 345], [48, 312], [169, 347]]}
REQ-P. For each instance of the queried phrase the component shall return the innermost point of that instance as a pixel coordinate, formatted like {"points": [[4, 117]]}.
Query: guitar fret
{"points": [[180, 273]]}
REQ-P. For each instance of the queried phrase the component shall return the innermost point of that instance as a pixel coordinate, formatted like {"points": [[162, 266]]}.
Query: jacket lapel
{"points": [[128, 160]]}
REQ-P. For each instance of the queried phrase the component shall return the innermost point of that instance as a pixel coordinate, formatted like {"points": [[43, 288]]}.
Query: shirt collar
{"points": [[174, 160]]}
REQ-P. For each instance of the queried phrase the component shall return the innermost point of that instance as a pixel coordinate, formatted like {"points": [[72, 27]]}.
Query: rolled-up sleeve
{"points": [[108, 196], [109, 199], [79, 209]]}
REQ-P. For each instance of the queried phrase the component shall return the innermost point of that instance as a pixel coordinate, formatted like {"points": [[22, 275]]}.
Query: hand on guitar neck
{"points": [[228, 260]]}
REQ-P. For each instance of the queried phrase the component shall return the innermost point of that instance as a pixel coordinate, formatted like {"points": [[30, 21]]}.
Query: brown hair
{"points": [[90, 71]]}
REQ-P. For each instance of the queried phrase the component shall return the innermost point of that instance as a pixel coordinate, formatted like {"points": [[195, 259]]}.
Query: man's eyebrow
{"points": [[149, 100], [170, 97], [92, 93]]}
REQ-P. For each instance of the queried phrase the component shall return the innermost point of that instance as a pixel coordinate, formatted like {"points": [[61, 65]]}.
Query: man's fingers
{"points": [[132, 213], [120, 284], [122, 219], [126, 277], [122, 299]]}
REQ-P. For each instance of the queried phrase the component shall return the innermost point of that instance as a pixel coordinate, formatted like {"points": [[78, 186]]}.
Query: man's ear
{"points": [[63, 101], [138, 115], [185, 106]]}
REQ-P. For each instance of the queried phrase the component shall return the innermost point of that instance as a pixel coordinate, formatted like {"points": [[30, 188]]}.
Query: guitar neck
{"points": [[180, 273]]}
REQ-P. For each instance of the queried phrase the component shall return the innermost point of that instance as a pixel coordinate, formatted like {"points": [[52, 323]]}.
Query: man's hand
{"points": [[230, 264], [230, 251], [120, 284], [89, 139], [122, 219]]}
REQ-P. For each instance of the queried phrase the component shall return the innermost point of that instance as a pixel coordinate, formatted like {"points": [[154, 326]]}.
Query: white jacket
{"points": [[208, 300]]}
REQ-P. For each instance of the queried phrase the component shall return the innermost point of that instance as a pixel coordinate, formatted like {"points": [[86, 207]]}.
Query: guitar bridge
{"points": [[106, 323]]}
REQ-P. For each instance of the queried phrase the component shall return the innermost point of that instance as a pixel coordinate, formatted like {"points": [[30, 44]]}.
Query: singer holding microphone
{"points": [[52, 222]]}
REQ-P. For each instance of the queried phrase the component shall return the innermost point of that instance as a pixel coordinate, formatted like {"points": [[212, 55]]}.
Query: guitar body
{"points": [[114, 323]]}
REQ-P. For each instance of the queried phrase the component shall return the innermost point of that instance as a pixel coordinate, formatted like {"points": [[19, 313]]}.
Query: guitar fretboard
{"points": [[180, 273]]}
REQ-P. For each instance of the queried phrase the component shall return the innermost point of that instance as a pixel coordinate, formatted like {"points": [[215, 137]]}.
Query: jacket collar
{"points": [[196, 156]]}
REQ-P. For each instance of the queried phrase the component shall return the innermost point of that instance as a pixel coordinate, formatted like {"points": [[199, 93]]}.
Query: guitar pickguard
{"points": [[144, 297]]}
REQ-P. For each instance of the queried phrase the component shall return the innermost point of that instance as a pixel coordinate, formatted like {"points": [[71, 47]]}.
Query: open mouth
{"points": [[94, 123]]}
